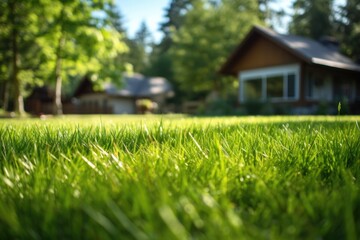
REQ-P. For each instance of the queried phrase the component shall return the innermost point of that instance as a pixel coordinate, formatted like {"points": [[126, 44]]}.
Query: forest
{"points": [[56, 43]]}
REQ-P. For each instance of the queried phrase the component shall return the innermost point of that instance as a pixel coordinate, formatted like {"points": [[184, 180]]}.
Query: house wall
{"points": [[103, 103], [122, 105], [263, 53], [325, 87], [93, 103], [326, 84]]}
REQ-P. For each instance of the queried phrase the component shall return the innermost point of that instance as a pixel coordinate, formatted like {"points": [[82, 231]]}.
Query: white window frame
{"points": [[264, 73]]}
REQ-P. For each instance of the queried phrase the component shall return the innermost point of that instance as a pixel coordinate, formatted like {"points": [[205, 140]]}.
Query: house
{"points": [[295, 71], [137, 94], [41, 101]]}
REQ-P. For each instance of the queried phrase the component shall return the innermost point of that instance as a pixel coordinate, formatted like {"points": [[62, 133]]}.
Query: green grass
{"points": [[177, 177]]}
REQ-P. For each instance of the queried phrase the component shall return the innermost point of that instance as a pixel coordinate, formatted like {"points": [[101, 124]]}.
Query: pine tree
{"points": [[268, 14], [312, 18], [350, 29], [174, 18], [140, 47]]}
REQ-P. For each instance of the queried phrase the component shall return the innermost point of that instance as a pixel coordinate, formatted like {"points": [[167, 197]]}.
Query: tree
{"points": [[84, 42], [313, 19], [350, 28], [206, 38], [268, 14], [5, 58], [42, 40], [21, 54], [115, 18], [160, 59], [140, 46], [174, 15]]}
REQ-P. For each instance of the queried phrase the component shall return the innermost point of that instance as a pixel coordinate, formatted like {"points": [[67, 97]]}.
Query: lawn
{"points": [[176, 177]]}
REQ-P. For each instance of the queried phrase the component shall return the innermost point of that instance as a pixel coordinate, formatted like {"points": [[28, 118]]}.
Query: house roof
{"points": [[136, 85], [306, 49]]}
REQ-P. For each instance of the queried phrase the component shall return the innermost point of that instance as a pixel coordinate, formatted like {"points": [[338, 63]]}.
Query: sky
{"points": [[136, 11], [152, 12]]}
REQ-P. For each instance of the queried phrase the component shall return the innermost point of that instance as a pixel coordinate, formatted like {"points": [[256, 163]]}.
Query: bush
{"points": [[253, 107], [220, 107]]}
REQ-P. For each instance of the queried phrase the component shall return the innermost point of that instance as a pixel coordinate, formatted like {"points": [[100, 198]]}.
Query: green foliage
{"points": [[219, 107], [47, 40], [115, 17], [161, 64], [349, 26], [21, 55], [90, 42], [271, 15], [174, 15], [175, 177], [313, 19], [160, 58], [205, 40], [86, 42], [140, 48]]}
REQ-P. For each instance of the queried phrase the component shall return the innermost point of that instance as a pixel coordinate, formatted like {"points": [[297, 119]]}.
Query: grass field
{"points": [[175, 177]]}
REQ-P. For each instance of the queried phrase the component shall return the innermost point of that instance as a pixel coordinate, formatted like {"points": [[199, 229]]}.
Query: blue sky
{"points": [[136, 11], [152, 12]]}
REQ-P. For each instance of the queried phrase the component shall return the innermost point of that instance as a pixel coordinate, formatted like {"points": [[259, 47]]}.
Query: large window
{"points": [[319, 86], [274, 84], [291, 85], [253, 89]]}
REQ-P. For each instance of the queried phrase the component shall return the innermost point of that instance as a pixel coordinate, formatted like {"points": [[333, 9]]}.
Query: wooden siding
{"points": [[263, 53]]}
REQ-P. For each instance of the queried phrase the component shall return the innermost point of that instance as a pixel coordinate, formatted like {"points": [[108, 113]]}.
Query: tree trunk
{"points": [[6, 95], [58, 110], [18, 98]]}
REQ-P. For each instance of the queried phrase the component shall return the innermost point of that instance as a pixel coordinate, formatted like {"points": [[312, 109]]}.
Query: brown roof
{"points": [[306, 49]]}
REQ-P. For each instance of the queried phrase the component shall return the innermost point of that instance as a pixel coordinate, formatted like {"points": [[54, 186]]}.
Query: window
{"points": [[319, 86], [253, 89], [275, 87], [291, 85], [274, 84]]}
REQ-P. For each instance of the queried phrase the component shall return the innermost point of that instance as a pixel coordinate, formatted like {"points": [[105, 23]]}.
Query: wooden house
{"points": [[294, 71], [133, 97]]}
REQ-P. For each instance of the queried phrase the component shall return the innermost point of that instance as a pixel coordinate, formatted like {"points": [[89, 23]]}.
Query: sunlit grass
{"points": [[176, 177]]}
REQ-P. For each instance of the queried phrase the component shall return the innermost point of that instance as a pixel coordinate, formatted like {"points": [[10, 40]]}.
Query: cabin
{"points": [[138, 94], [41, 102], [300, 73]]}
